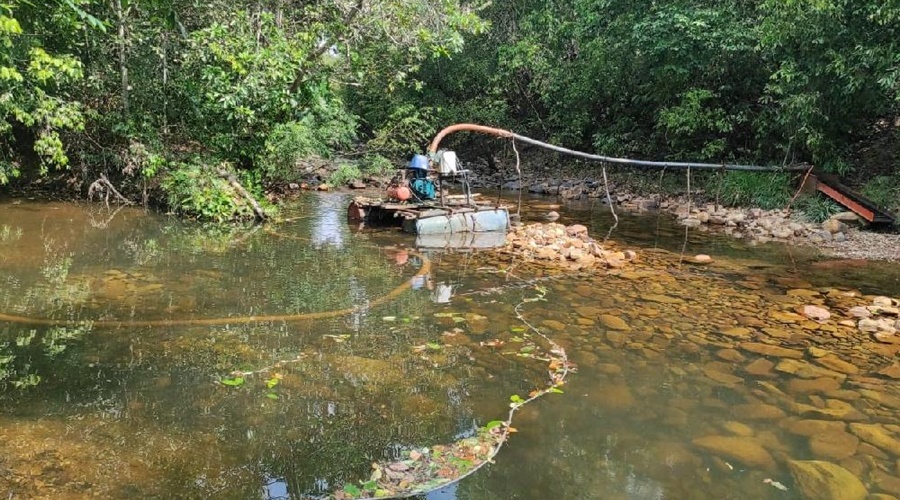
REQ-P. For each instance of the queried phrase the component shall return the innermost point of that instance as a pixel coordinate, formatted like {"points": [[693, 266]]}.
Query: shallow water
{"points": [[122, 410]]}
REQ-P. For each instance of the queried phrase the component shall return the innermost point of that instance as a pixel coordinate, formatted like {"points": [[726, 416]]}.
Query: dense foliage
{"points": [[153, 93]]}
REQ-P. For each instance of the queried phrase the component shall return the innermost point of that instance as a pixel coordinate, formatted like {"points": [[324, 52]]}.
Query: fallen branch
{"points": [[102, 187], [257, 209]]}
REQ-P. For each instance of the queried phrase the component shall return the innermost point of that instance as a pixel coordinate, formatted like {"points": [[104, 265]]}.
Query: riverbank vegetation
{"points": [[160, 95]]}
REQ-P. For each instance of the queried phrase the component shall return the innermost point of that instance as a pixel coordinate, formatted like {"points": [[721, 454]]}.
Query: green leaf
{"points": [[352, 490], [527, 349], [272, 396], [233, 382], [554, 390], [493, 424], [272, 382], [434, 346], [515, 398]]}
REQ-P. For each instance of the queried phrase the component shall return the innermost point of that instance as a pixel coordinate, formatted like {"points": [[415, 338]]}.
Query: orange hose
{"points": [[469, 127]]}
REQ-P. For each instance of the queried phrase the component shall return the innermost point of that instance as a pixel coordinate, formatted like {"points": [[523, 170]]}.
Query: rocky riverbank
{"points": [[842, 235]]}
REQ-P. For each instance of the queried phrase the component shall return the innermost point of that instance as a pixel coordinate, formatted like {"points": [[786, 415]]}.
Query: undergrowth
{"points": [[817, 208]]}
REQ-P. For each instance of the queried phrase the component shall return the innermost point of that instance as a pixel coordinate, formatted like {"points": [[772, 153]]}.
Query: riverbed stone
{"points": [[745, 450], [737, 332], [804, 369], [809, 386], [822, 480], [738, 428], [810, 427], [614, 322], [730, 355], [771, 350], [614, 398], [882, 398], [892, 371], [661, 299], [757, 411], [886, 482], [838, 365], [761, 367], [877, 436], [816, 313], [834, 446]]}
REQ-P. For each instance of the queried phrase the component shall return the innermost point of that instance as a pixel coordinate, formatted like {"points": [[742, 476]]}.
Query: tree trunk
{"points": [[165, 83], [123, 66]]}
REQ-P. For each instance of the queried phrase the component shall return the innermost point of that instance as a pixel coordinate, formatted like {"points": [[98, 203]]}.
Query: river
{"points": [[146, 357]]}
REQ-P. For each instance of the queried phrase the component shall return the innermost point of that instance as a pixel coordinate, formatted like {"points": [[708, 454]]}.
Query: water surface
{"points": [[101, 406]]}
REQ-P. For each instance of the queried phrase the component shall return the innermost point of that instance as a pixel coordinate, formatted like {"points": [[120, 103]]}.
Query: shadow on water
{"points": [[666, 403]]}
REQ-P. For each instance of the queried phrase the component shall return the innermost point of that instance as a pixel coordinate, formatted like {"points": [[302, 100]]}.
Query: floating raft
{"points": [[431, 218]]}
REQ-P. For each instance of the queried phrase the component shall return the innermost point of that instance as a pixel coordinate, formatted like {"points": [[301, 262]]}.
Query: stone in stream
{"points": [[803, 369], [614, 322], [760, 368], [757, 411], [892, 371], [886, 482], [810, 428], [833, 445], [877, 436], [771, 350], [738, 428], [745, 450], [816, 313], [809, 386], [615, 398], [838, 365], [826, 481]]}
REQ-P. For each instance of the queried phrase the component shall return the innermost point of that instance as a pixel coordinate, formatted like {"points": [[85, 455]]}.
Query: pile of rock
{"points": [[881, 319], [761, 225], [570, 247]]}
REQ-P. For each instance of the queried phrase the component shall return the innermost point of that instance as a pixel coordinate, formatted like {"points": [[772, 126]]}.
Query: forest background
{"points": [[159, 96]]}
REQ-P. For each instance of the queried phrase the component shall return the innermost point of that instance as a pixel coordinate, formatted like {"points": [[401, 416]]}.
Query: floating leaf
{"points": [[233, 382], [515, 398]]}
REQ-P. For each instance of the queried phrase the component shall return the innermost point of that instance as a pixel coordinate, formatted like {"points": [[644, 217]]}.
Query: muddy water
{"points": [[693, 382]]}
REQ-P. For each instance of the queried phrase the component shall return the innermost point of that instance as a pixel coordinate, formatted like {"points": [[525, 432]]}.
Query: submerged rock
{"points": [[745, 450], [826, 481]]}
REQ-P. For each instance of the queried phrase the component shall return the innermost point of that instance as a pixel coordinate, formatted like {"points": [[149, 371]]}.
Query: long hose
{"points": [[423, 270], [498, 132]]}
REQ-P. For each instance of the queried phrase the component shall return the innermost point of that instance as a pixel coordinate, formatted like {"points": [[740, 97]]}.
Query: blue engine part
{"points": [[423, 189]]}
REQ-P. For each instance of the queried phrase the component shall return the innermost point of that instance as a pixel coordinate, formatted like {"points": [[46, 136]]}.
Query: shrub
{"points": [[817, 208], [196, 190], [377, 166], [884, 190], [344, 174], [286, 148], [762, 190]]}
